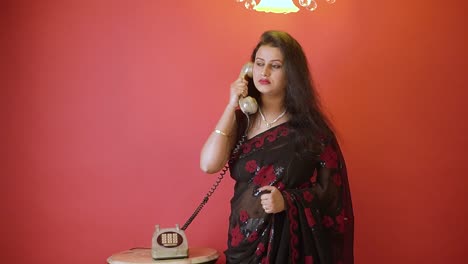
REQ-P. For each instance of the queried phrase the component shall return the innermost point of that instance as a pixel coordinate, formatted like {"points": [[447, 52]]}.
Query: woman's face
{"points": [[268, 71]]}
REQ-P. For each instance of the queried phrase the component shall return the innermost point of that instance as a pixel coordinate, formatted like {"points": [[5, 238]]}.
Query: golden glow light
{"points": [[281, 6], [276, 6]]}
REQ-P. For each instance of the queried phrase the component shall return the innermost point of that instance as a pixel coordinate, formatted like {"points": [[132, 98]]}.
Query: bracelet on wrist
{"points": [[217, 131]]}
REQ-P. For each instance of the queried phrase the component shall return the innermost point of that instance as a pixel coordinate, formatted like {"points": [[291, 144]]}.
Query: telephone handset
{"points": [[170, 243], [248, 105]]}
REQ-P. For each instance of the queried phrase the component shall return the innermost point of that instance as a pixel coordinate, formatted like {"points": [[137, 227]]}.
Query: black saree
{"points": [[317, 225]]}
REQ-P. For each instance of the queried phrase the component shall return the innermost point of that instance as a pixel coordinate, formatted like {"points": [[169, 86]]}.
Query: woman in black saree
{"points": [[291, 201]]}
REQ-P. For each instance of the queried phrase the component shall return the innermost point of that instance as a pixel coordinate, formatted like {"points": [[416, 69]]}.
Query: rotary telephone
{"points": [[170, 243]]}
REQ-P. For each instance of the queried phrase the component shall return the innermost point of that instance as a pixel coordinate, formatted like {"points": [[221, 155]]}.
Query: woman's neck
{"points": [[272, 112], [272, 106]]}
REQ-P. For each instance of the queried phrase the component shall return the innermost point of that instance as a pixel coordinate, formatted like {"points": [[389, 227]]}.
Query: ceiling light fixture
{"points": [[281, 6]]}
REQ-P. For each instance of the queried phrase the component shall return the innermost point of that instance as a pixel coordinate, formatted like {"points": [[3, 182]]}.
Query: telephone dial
{"points": [[170, 243]]}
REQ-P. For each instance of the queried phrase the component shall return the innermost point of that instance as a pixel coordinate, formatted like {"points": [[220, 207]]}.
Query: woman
{"points": [[291, 200]]}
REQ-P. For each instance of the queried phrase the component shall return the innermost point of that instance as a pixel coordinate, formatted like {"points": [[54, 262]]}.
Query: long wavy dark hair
{"points": [[301, 101]]}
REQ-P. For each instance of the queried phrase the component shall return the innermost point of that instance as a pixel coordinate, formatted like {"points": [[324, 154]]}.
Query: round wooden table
{"points": [[143, 256]]}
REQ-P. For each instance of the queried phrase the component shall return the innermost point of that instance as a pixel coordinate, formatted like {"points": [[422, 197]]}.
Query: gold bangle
{"points": [[217, 131]]}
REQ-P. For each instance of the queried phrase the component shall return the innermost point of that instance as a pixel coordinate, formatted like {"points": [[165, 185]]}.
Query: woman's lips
{"points": [[264, 81]]}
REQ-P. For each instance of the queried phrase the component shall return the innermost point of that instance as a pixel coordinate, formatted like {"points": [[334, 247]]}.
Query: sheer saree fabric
{"points": [[317, 224]]}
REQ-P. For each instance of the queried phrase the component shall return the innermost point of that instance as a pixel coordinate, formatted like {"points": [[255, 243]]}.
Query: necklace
{"points": [[268, 124]]}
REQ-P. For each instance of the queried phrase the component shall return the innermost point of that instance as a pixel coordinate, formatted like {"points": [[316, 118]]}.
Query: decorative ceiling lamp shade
{"points": [[280, 6]]}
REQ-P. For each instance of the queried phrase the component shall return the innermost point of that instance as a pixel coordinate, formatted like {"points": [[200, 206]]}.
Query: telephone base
{"points": [[169, 243]]}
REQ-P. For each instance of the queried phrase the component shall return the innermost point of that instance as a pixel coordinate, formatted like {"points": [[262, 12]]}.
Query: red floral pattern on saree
{"points": [[340, 221], [330, 157], [308, 196], [236, 236], [327, 221], [280, 186], [260, 249], [265, 176], [253, 237], [293, 226], [251, 166], [244, 216], [270, 136], [310, 217]]}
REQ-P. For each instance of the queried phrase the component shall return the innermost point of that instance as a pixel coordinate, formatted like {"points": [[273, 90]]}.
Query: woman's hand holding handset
{"points": [[238, 90]]}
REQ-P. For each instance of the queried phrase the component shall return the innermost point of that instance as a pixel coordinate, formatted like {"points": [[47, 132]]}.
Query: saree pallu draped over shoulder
{"points": [[317, 225]]}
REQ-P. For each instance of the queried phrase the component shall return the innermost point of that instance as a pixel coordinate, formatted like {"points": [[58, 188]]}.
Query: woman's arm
{"points": [[217, 148]]}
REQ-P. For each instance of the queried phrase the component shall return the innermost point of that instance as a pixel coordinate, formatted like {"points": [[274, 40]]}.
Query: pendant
{"points": [[268, 124]]}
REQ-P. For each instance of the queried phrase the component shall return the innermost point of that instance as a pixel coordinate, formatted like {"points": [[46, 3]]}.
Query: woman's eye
{"points": [[259, 64], [276, 66]]}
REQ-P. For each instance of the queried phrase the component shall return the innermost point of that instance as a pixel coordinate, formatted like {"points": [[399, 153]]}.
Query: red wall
{"points": [[106, 105]]}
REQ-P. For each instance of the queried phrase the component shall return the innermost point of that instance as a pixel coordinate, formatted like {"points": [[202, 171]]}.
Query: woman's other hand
{"points": [[272, 202]]}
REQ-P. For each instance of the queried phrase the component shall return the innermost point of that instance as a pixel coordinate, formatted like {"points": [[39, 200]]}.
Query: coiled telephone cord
{"points": [[218, 180]]}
